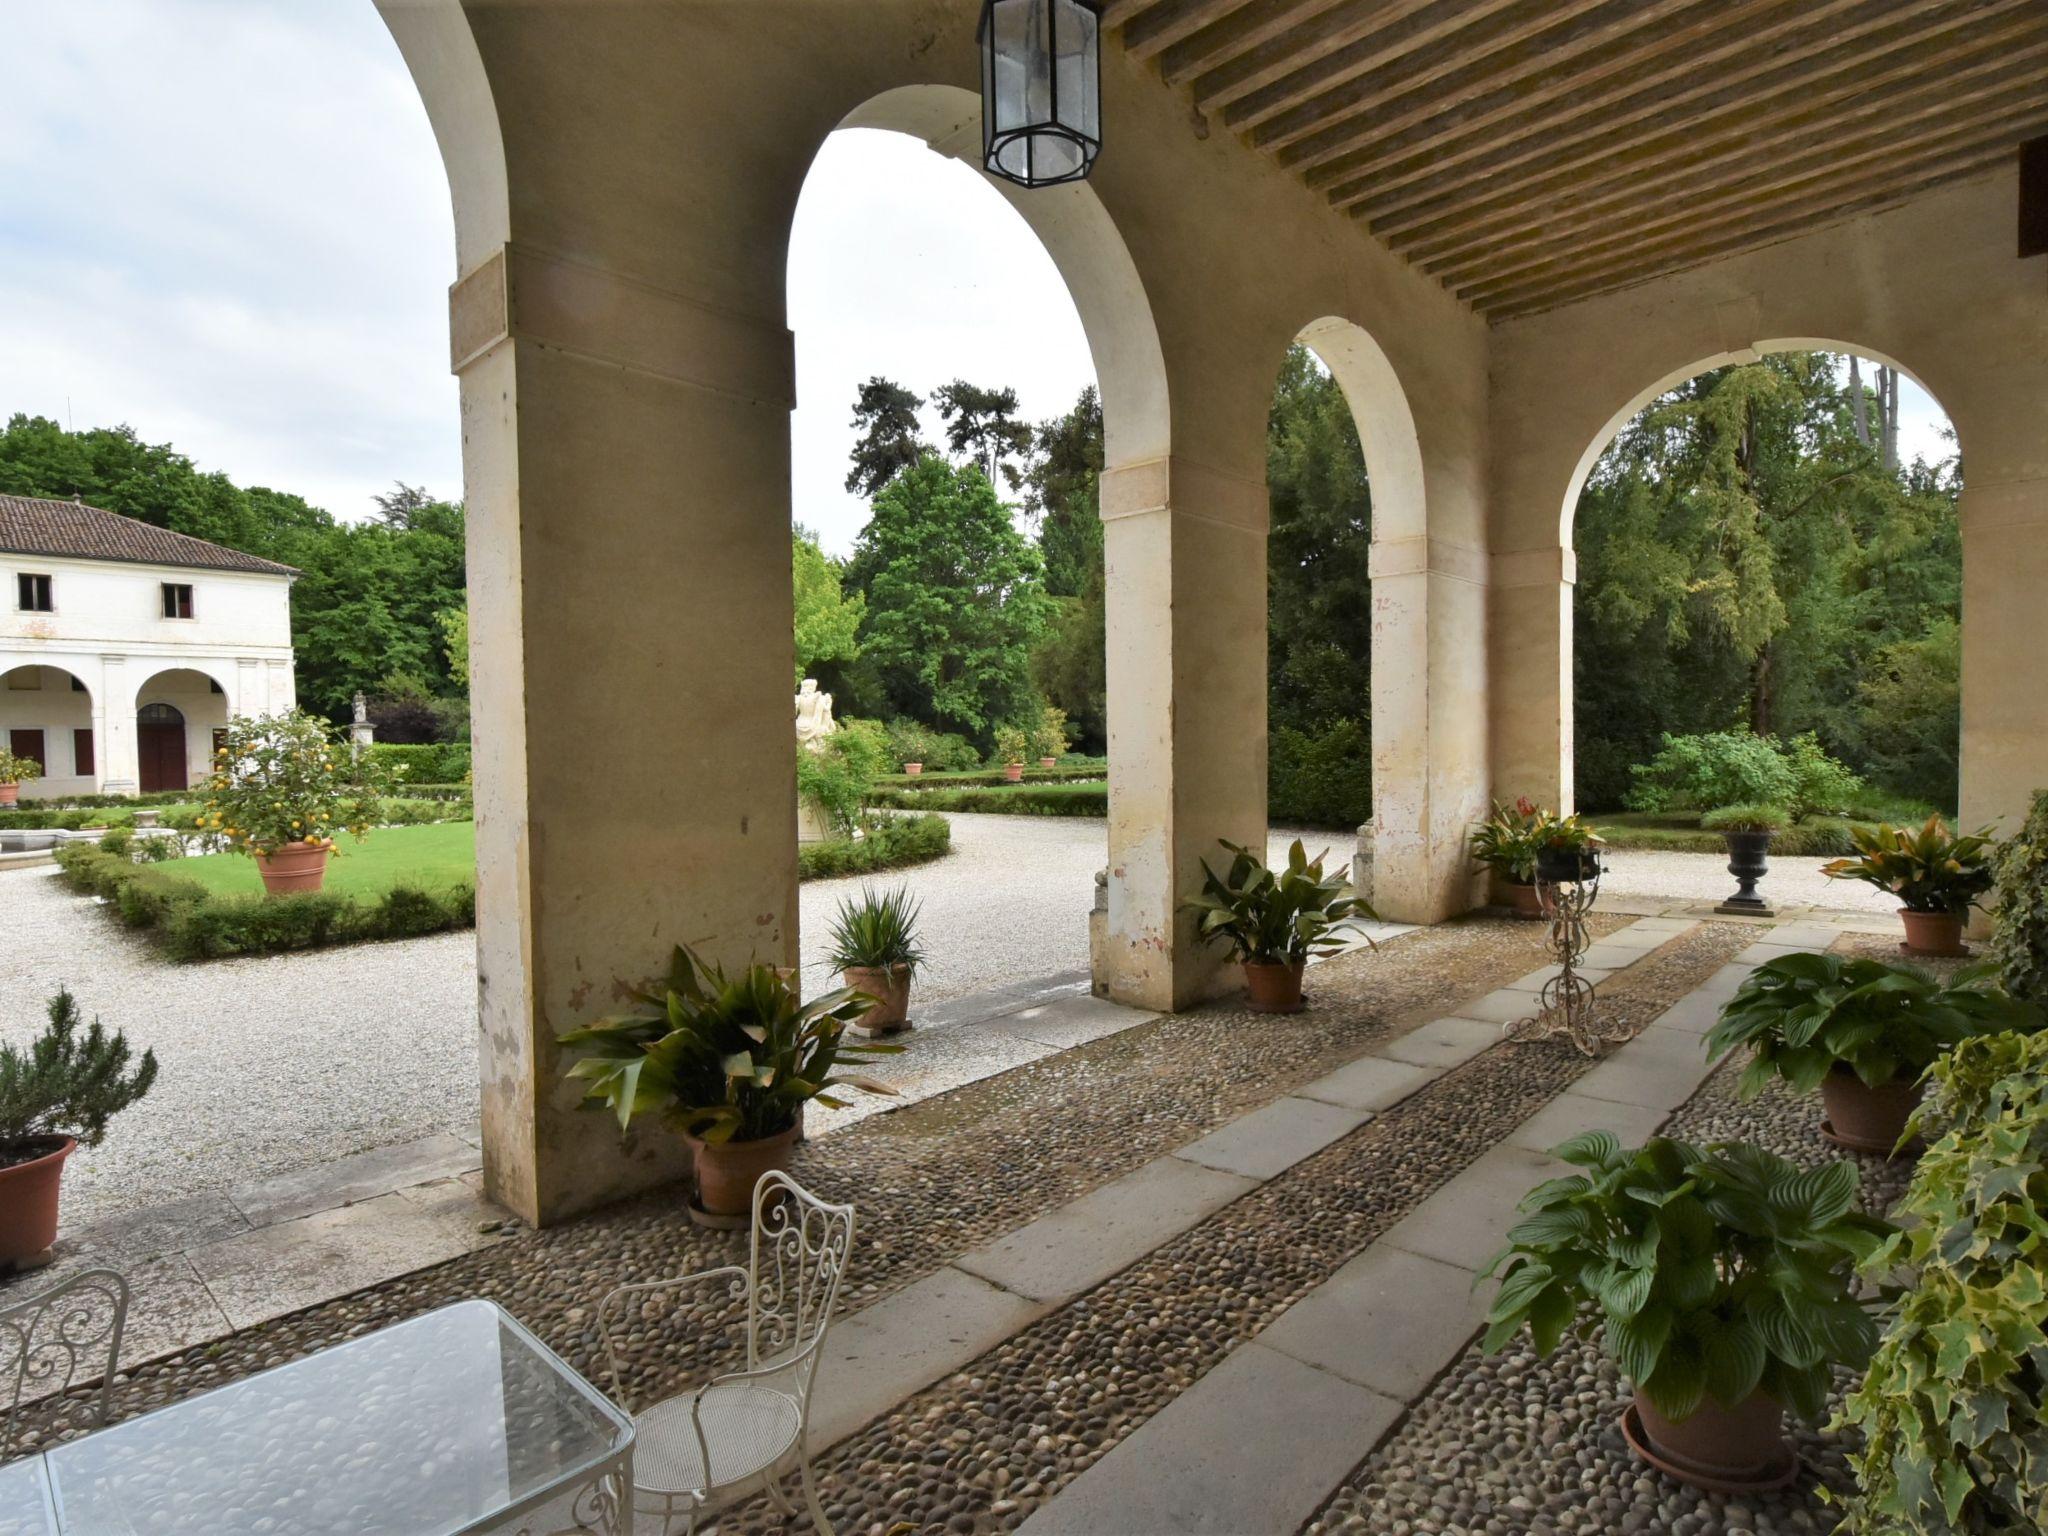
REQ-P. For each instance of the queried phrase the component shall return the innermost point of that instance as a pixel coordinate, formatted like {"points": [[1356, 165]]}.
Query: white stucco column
{"points": [[1530, 645], [1185, 554], [113, 727], [626, 462]]}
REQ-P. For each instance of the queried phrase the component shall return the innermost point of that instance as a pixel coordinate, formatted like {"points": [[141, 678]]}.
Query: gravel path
{"points": [[1792, 882]]}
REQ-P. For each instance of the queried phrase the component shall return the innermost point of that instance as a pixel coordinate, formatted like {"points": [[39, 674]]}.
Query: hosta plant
{"points": [[1276, 917], [727, 1058], [1929, 869], [1709, 1272], [1507, 842], [1951, 1409], [1802, 1016]]}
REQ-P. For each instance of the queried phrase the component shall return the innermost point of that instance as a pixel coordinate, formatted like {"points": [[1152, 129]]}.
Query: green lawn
{"points": [[435, 857]]}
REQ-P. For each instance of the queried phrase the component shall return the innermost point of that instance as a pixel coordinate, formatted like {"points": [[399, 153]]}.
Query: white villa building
{"points": [[124, 647]]}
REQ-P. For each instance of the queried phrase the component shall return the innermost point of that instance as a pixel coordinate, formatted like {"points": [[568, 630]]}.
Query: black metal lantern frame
{"points": [[1041, 90]]}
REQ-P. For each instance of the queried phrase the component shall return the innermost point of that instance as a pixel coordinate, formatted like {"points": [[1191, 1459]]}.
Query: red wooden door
{"points": [[160, 748], [28, 744]]}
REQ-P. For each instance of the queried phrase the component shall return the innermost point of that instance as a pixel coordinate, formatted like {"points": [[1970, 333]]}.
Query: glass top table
{"points": [[453, 1422]]}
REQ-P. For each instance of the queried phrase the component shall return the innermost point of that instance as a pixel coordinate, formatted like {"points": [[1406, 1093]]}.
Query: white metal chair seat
{"points": [[748, 1429], [703, 1451]]}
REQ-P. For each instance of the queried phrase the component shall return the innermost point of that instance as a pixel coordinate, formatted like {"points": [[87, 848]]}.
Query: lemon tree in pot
{"points": [[1720, 1282], [1864, 1033], [1275, 920], [728, 1060], [1048, 736], [56, 1096], [282, 791], [1938, 875], [1506, 843], [873, 945], [1012, 742], [16, 771]]}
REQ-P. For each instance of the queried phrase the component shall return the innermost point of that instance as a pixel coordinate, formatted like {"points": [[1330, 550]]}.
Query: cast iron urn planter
{"points": [[1748, 856], [1566, 866]]}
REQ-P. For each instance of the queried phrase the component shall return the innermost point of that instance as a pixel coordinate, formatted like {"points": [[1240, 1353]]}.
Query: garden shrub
{"points": [[1320, 779], [839, 774], [1820, 783], [2019, 942], [1716, 768], [436, 762], [939, 751], [1082, 772], [1045, 799], [891, 842], [1950, 1409]]}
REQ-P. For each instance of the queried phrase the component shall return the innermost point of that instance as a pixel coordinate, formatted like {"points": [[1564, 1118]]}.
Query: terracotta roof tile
{"points": [[30, 525]]}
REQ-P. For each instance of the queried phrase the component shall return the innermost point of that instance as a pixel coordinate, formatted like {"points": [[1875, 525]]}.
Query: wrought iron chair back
{"points": [[796, 1260], [60, 1339]]}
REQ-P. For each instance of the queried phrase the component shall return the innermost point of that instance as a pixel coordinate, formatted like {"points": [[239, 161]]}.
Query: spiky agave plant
{"points": [[876, 932]]}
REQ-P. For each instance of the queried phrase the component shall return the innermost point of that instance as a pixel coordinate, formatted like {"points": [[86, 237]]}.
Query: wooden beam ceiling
{"points": [[1531, 153]]}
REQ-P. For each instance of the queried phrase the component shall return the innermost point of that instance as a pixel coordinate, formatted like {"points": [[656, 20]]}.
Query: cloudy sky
{"points": [[224, 223]]}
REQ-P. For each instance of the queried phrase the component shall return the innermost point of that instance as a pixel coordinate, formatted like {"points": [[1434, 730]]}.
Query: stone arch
{"points": [[213, 671], [9, 665], [434, 38], [1386, 424]]}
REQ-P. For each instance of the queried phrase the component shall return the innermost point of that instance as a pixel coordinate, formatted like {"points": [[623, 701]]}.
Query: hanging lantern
{"points": [[1041, 89]]}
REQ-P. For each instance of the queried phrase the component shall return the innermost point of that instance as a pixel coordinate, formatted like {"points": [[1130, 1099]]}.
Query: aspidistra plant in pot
{"points": [[1720, 1280], [1864, 1033], [1937, 875], [729, 1060], [1507, 843], [1275, 920]]}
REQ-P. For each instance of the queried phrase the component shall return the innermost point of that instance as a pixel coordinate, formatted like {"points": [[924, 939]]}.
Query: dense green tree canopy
{"points": [[827, 621], [982, 427], [1062, 491]]}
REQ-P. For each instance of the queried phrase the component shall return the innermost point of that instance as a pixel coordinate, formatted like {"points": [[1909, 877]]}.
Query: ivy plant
{"points": [[1951, 1408], [1802, 1016], [2019, 942], [1709, 1272]]}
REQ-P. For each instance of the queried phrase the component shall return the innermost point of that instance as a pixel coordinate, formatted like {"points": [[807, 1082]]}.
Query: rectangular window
{"points": [[28, 744], [32, 593], [81, 753], [177, 600]]}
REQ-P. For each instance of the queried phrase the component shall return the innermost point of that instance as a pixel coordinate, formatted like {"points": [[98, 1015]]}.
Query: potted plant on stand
{"points": [[874, 947], [282, 788], [1275, 921], [1506, 843], [1864, 1033], [56, 1096], [1011, 745], [16, 771], [730, 1061], [1747, 830], [1721, 1281], [1567, 850], [1049, 736], [1936, 874]]}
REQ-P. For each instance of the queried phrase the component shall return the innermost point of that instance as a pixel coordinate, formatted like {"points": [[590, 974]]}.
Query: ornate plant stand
{"points": [[1566, 1006]]}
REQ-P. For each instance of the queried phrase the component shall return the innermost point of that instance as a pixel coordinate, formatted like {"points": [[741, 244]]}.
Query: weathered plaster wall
{"points": [[1934, 287]]}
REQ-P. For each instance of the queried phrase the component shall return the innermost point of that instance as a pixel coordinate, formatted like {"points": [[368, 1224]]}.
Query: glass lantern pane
{"points": [[1023, 69], [1079, 77]]}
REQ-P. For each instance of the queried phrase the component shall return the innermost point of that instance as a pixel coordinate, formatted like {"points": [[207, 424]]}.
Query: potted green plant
{"points": [[1950, 1410], [2019, 911], [912, 745], [1936, 874], [15, 771], [1011, 745], [1864, 1033], [1720, 1280], [1567, 850], [1274, 921], [874, 947], [1747, 830], [730, 1061], [1506, 843], [1049, 736], [282, 789], [55, 1096]]}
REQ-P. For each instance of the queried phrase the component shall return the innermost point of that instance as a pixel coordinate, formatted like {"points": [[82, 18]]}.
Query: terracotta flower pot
{"points": [[1867, 1119], [28, 1199], [1724, 1449], [1273, 987], [1013, 771], [890, 987], [1933, 933], [1048, 762], [1520, 899], [9, 793], [913, 769], [728, 1171], [293, 868]]}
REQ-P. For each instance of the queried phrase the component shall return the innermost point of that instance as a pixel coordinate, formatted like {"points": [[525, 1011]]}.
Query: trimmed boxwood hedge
{"points": [[892, 842], [1003, 799], [985, 778]]}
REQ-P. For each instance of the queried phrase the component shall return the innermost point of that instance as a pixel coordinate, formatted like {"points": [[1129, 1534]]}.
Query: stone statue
{"points": [[362, 708], [813, 715]]}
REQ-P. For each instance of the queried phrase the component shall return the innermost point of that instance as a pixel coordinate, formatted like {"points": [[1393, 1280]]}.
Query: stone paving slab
{"points": [[1570, 1113], [1724, 982], [119, 1241], [887, 1353], [1081, 1244], [1389, 1320], [1659, 1069], [1253, 1446], [1693, 1014], [1502, 1007], [1536, 981], [1461, 1224], [1371, 1082], [1636, 936], [1069, 1021], [1442, 1043], [349, 1179], [1269, 1141], [1603, 956]]}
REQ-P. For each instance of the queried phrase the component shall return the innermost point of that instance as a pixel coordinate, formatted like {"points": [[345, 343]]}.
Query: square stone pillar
{"points": [[115, 747], [626, 461], [1185, 553], [2005, 660], [1530, 646]]}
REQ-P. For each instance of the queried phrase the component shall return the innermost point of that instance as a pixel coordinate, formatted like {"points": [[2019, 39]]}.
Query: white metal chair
{"points": [[742, 1432], [57, 1339]]}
